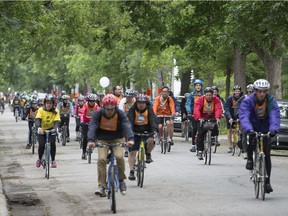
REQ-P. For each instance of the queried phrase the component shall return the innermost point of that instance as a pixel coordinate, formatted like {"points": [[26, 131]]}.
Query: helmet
{"points": [[34, 96], [198, 81], [49, 98], [142, 98], [65, 97], [63, 93], [28, 98], [81, 98], [236, 87], [215, 88], [261, 84], [208, 89], [34, 102], [249, 87], [129, 93], [101, 95], [92, 97], [109, 101]]}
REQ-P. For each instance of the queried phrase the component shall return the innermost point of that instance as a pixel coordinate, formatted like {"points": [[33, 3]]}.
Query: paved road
{"points": [[175, 184]]}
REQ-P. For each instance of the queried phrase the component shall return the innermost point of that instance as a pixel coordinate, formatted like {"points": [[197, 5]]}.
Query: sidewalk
{"points": [[3, 202]]}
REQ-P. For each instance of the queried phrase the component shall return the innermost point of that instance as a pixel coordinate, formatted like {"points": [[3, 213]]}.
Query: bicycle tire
{"points": [[142, 167], [138, 171], [256, 178], [186, 131], [165, 140], [89, 155], [112, 189], [209, 147], [16, 115], [47, 159], [168, 146], [63, 135], [162, 146], [263, 175]]}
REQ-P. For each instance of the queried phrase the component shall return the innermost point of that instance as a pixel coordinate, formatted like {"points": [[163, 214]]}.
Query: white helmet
{"points": [[92, 97], [261, 84]]}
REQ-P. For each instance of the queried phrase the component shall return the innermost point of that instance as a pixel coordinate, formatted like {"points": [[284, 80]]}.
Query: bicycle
{"points": [[209, 126], [141, 158], [163, 141], [33, 136], [236, 135], [112, 181], [46, 161], [258, 174], [64, 129]]}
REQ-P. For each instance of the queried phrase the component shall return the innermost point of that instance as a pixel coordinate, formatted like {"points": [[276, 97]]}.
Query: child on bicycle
{"points": [[47, 118], [109, 125], [143, 120], [206, 107], [260, 112]]}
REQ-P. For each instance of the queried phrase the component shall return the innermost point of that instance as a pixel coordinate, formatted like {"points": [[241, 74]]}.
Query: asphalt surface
{"points": [[175, 184]]}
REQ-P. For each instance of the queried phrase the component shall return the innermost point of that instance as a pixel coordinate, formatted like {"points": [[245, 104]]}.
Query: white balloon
{"points": [[104, 82]]}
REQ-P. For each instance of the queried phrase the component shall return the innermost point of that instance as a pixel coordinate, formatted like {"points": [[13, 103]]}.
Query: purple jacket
{"points": [[250, 121]]}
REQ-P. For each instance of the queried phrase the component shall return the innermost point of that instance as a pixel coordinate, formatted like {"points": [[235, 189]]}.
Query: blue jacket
{"points": [[190, 100], [229, 110], [250, 121]]}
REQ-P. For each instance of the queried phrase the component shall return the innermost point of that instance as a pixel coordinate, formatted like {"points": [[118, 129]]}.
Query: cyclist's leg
{"points": [[149, 148], [61, 124], [194, 131], [52, 139], [200, 137], [168, 123], [250, 148], [118, 153], [77, 129], [171, 130], [267, 149], [29, 142], [41, 147], [132, 157], [84, 133], [68, 131], [215, 132], [101, 166]]}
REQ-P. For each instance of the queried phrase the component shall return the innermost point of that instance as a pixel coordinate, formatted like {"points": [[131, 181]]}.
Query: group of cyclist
{"points": [[114, 118]]}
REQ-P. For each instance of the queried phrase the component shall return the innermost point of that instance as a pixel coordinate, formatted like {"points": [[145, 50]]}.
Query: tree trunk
{"points": [[185, 82], [228, 73], [239, 68]]}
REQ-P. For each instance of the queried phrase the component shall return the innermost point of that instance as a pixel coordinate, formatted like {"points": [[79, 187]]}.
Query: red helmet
{"points": [[109, 101]]}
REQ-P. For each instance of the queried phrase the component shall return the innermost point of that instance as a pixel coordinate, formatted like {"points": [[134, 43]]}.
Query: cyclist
{"points": [[177, 110], [117, 92], [47, 118], [249, 90], [109, 125], [30, 112], [77, 113], [229, 112], [207, 107], [66, 109], [142, 119], [183, 112], [86, 115], [125, 104], [164, 105], [260, 112], [16, 102], [194, 95]]}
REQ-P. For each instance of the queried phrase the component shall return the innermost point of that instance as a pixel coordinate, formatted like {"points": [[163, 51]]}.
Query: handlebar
{"points": [[144, 134], [260, 134], [166, 116], [52, 131], [103, 145]]}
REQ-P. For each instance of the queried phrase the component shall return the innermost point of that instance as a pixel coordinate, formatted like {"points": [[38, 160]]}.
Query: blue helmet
{"points": [[198, 81]]}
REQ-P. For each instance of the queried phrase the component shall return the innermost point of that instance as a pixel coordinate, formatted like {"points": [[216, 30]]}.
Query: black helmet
{"points": [[215, 88], [208, 89], [34, 102], [237, 87], [49, 98]]}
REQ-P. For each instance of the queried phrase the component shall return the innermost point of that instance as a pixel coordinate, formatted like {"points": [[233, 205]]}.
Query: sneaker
{"points": [[84, 157], [148, 158], [53, 164], [68, 139], [100, 191], [131, 176], [193, 148], [77, 139], [122, 187], [217, 144], [171, 142], [126, 154], [245, 156], [38, 163], [268, 188], [28, 146], [249, 164], [200, 155], [230, 150]]}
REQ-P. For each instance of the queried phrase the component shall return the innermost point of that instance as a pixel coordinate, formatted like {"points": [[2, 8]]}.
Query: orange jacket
{"points": [[164, 107]]}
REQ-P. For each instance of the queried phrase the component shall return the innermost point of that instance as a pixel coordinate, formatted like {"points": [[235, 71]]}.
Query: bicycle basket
{"points": [[209, 125]]}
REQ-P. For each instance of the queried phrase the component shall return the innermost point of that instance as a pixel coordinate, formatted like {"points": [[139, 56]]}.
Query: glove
{"points": [[230, 120], [251, 133], [272, 133], [189, 116]]}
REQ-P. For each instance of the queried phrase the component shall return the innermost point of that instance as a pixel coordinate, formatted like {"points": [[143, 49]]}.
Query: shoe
{"points": [[249, 164], [193, 148], [53, 164], [268, 188], [77, 139], [230, 149], [213, 141], [68, 139], [84, 157], [38, 163], [131, 176], [148, 158], [171, 142], [100, 192], [200, 155], [122, 187], [28, 146], [126, 154], [217, 144], [244, 155]]}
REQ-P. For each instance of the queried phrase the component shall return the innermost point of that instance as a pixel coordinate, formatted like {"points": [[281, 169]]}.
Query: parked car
{"points": [[283, 132]]}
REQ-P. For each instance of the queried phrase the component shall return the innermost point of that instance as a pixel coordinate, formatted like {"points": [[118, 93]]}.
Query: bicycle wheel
{"points": [[256, 176], [112, 189], [47, 159], [142, 167], [209, 147], [262, 172], [165, 140], [138, 167], [63, 135], [162, 146], [186, 131], [16, 115], [89, 151]]}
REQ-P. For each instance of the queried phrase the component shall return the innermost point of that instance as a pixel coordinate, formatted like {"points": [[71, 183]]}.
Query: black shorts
{"points": [[160, 120]]}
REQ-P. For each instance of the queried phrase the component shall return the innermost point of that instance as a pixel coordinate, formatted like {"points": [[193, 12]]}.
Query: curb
{"points": [[3, 202]]}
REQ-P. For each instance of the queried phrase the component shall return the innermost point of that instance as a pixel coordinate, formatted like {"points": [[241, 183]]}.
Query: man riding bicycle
{"points": [[260, 113], [206, 108], [77, 113], [110, 125], [47, 118], [142, 119], [164, 105]]}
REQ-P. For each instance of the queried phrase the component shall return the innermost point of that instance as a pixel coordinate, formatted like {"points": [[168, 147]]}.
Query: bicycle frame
{"points": [[208, 143], [46, 162], [165, 145]]}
